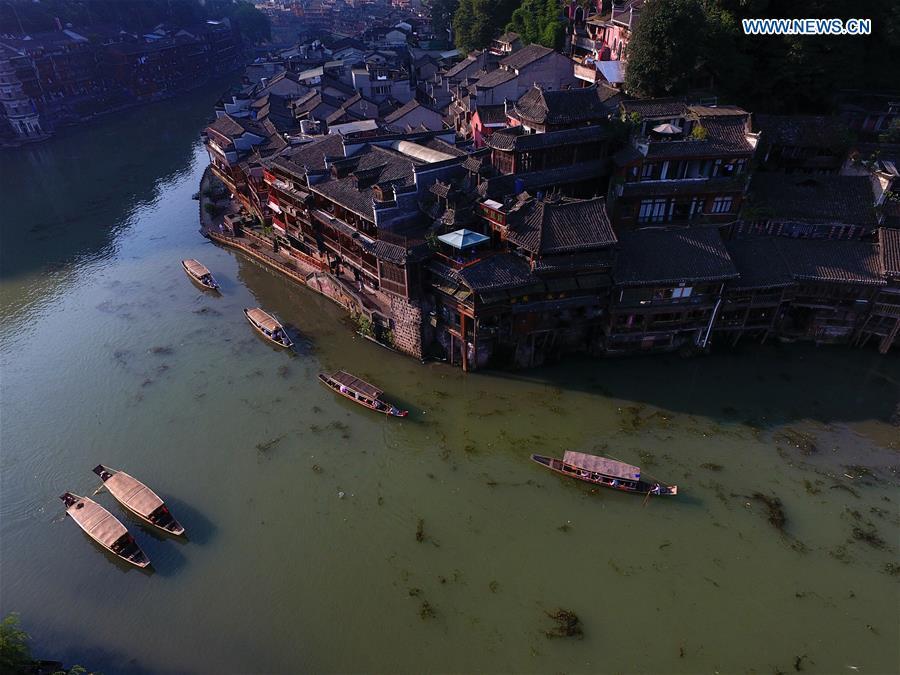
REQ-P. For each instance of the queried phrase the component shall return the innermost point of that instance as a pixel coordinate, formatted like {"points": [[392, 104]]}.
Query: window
{"points": [[652, 211], [650, 171], [682, 292], [722, 205]]}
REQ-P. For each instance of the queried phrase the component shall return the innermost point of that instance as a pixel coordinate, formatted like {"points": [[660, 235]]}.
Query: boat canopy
{"points": [[195, 268], [98, 522], [608, 467], [263, 320], [356, 384], [134, 494]]}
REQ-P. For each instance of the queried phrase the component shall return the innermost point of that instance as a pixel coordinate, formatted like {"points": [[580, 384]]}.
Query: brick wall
{"points": [[407, 327]]}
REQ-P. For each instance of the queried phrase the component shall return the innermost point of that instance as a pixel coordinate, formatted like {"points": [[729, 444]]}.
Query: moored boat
{"points": [[610, 473], [361, 392], [139, 499], [266, 325], [200, 274], [104, 528]]}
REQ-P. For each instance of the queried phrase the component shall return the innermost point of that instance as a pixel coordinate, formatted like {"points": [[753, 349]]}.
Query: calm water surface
{"points": [[109, 354]]}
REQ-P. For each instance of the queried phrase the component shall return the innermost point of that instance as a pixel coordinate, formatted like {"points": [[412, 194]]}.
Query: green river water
{"points": [[109, 354]]}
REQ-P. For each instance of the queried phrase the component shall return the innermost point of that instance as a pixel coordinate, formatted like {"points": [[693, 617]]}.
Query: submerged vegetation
{"points": [[567, 624]]}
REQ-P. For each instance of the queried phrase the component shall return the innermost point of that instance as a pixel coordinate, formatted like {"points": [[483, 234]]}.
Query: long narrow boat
{"points": [[609, 473], [200, 274], [266, 325], [139, 499], [360, 391], [104, 528]]}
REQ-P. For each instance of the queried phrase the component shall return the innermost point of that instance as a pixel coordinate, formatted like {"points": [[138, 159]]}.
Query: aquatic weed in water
{"points": [[774, 510], [567, 624], [420, 530]]}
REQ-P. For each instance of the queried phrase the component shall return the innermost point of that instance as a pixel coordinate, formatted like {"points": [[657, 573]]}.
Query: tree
{"points": [[14, 652], [476, 22], [253, 25], [540, 22], [664, 53], [442, 12]]}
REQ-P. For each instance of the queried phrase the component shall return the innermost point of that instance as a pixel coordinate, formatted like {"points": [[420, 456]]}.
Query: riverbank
{"points": [[448, 546]]}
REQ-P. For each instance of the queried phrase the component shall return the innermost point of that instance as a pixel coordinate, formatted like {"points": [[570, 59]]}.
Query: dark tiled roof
{"points": [[442, 146], [389, 252], [500, 187], [889, 240], [525, 56], [819, 198], [547, 227], [672, 256], [492, 114], [565, 106], [402, 111], [509, 36], [725, 136], [495, 78], [440, 189], [311, 155], [843, 261], [687, 187], [496, 272], [575, 262], [759, 262], [470, 60], [474, 163], [372, 165], [515, 138], [236, 126], [805, 131]]}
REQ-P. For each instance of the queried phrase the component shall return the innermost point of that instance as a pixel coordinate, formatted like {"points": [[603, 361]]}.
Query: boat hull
{"points": [[640, 487], [268, 338], [388, 409], [170, 524], [130, 552], [209, 286]]}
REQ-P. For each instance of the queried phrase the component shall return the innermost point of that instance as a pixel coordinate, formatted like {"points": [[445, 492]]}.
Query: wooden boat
{"points": [[609, 473], [360, 391], [139, 499], [200, 274], [104, 528], [268, 327]]}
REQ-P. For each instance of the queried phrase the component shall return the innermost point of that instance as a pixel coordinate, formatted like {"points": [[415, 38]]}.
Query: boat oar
{"points": [[646, 499], [97, 491]]}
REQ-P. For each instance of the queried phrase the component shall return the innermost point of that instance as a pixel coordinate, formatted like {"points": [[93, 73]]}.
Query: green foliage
{"points": [[476, 22], [74, 670], [687, 44], [664, 53], [699, 132], [442, 12], [14, 651], [364, 325], [253, 25], [539, 21]]}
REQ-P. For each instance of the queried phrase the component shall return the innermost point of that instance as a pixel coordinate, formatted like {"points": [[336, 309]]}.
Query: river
{"points": [[324, 538]]}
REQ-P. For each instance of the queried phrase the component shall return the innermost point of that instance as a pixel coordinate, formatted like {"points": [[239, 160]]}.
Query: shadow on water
{"points": [[53, 214], [758, 385], [198, 529]]}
